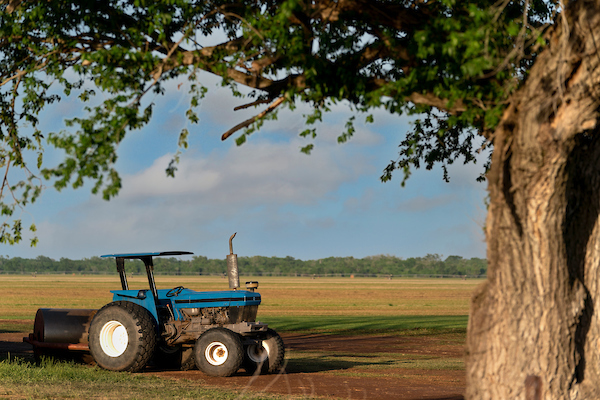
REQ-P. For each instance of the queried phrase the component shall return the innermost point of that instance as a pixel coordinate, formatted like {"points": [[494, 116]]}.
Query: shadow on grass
{"points": [[6, 329], [8, 326], [24, 352], [328, 363], [12, 356]]}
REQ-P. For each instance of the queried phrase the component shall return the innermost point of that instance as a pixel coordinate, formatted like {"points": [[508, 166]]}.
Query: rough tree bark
{"points": [[534, 330]]}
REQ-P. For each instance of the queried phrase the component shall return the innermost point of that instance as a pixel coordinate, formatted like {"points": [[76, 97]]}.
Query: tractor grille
{"points": [[242, 314]]}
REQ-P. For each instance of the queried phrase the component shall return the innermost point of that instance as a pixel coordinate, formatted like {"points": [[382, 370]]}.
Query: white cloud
{"points": [[261, 185], [253, 174], [361, 203]]}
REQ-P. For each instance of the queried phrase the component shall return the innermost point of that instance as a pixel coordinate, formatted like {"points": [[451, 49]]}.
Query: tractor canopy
{"points": [[147, 260], [141, 255]]}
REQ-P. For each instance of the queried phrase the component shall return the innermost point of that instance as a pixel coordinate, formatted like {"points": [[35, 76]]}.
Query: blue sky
{"points": [[280, 201]]}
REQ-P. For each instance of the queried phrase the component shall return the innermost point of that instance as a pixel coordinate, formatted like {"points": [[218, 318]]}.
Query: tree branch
{"points": [[429, 99], [253, 104], [250, 121]]}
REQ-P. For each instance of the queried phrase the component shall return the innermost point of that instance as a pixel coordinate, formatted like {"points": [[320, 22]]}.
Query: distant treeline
{"points": [[432, 264]]}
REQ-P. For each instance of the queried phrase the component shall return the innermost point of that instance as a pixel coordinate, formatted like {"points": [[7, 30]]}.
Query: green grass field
{"points": [[335, 306]]}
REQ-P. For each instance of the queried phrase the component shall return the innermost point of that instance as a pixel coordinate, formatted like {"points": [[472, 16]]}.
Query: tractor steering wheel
{"points": [[175, 291]]}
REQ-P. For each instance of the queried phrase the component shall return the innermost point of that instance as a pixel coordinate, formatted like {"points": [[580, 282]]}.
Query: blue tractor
{"points": [[214, 331]]}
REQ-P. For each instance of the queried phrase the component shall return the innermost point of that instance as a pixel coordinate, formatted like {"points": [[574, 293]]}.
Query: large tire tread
{"points": [[144, 340], [275, 361]]}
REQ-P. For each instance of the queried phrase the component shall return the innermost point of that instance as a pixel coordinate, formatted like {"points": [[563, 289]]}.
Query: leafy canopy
{"points": [[453, 63]]}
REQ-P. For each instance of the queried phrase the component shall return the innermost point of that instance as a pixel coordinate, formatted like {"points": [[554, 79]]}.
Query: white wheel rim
{"points": [[113, 338], [216, 353], [258, 353]]}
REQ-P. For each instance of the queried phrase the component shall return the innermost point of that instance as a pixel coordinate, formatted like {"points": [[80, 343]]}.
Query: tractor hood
{"points": [[188, 298]]}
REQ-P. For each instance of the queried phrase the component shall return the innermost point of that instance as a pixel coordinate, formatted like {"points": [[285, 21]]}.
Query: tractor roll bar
{"points": [[121, 271], [147, 260]]}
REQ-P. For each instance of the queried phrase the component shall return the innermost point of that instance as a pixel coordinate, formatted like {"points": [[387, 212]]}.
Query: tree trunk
{"points": [[534, 331]]}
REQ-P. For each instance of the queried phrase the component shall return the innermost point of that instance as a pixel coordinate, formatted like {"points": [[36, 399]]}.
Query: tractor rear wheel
{"points": [[266, 357], [122, 337], [219, 352]]}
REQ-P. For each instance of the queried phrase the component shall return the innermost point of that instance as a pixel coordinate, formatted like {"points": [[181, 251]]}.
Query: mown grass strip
{"points": [[64, 380], [373, 365], [369, 325]]}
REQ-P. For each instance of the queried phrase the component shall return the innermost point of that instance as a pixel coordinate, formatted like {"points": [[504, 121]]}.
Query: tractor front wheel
{"points": [[219, 352], [122, 337]]}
